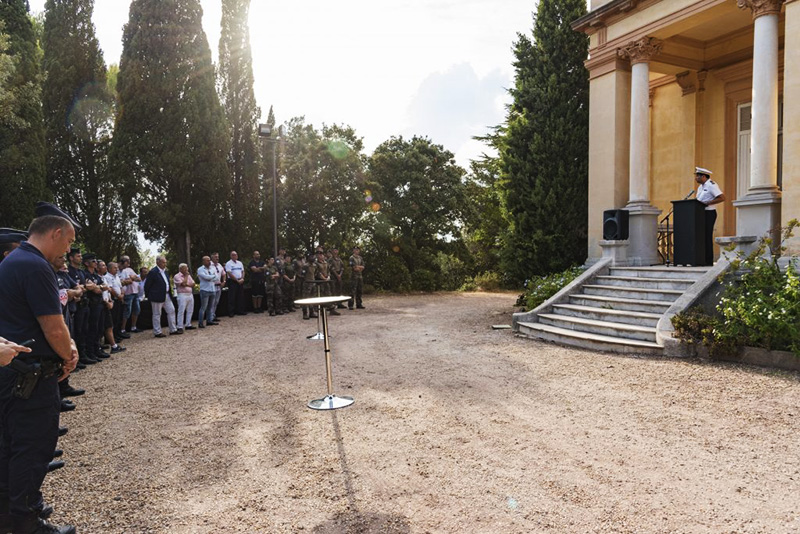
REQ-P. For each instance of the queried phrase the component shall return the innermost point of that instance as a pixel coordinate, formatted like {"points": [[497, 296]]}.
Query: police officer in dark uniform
{"points": [[80, 307], [94, 295], [29, 400], [10, 238]]}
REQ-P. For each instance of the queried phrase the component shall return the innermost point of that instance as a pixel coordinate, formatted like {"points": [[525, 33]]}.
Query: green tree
{"points": [[170, 142], [419, 201], [322, 184], [79, 118], [22, 151], [7, 69], [239, 102], [484, 229], [544, 147]]}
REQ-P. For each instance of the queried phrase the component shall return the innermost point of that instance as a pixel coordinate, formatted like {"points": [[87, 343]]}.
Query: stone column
{"points": [[643, 225], [760, 210], [790, 208]]}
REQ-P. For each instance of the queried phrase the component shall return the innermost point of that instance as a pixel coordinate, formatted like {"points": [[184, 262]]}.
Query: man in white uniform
{"points": [[709, 194]]}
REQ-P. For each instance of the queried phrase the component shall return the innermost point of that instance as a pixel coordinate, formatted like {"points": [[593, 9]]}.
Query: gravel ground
{"points": [[456, 428]]}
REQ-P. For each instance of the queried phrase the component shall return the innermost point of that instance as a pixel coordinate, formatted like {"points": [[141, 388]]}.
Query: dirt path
{"points": [[456, 429]]}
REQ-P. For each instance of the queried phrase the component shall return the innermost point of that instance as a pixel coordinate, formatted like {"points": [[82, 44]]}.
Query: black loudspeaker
{"points": [[615, 225]]}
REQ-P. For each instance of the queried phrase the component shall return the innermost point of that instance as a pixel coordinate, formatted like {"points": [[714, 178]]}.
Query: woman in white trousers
{"points": [[184, 285]]}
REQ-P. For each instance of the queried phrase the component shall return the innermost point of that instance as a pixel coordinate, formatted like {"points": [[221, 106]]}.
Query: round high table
{"points": [[329, 401], [319, 335]]}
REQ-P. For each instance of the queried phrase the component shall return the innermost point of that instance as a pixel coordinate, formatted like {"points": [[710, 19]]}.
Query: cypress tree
{"points": [[238, 100], [79, 118], [22, 151], [544, 147], [170, 141]]}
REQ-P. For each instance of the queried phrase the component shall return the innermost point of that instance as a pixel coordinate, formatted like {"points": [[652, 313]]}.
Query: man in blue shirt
{"points": [[30, 310]]}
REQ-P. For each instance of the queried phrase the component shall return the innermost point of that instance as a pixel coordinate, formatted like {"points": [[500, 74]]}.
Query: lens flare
{"points": [[338, 149], [375, 207], [91, 116], [396, 248]]}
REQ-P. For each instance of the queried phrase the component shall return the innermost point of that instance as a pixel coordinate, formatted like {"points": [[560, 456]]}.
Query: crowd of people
{"points": [[275, 284], [62, 310]]}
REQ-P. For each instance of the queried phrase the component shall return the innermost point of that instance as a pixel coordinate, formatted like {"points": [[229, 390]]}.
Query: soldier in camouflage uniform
{"points": [[356, 279], [274, 295], [337, 274], [323, 273], [308, 275], [289, 279], [298, 264]]}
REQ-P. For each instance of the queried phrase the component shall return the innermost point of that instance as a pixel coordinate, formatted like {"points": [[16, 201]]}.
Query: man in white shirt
{"points": [[130, 288], [234, 269], [709, 194], [219, 283]]}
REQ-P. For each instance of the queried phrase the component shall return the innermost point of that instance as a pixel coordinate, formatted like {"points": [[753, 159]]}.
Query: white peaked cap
{"points": [[701, 170]]}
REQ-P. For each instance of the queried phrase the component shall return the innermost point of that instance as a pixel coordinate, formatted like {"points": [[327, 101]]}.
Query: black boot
{"points": [[305, 314], [33, 524]]}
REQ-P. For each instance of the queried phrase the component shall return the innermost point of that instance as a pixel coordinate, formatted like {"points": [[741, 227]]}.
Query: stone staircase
{"points": [[615, 311]]}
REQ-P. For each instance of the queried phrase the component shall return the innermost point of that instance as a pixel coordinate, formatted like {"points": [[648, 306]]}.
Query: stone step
{"points": [[603, 328], [604, 314], [574, 338], [647, 283], [619, 303], [680, 273], [664, 295]]}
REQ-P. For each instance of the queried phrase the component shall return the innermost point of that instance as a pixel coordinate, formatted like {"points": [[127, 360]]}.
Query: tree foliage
{"points": [[239, 102], [419, 206], [485, 228], [322, 185], [22, 150], [544, 147], [171, 144], [79, 119]]}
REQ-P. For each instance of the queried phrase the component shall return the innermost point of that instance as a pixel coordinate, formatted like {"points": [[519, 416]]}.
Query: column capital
{"points": [[640, 51], [761, 7]]}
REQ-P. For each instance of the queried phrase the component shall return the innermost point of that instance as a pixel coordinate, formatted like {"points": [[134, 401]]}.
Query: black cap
{"points": [[73, 251], [43, 209], [89, 256], [12, 235]]}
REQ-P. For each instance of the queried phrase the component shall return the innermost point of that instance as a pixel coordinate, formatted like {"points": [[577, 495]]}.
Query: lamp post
{"points": [[265, 132]]}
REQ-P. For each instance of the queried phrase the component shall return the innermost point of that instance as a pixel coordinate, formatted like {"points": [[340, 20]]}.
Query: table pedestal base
{"points": [[331, 402], [319, 336]]}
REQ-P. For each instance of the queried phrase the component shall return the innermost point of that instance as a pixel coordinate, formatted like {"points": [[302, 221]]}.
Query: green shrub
{"points": [[452, 271], [423, 280], [488, 281], [540, 288], [393, 275], [761, 309]]}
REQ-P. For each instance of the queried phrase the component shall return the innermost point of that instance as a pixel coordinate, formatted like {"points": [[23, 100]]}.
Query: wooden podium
{"points": [[689, 233]]}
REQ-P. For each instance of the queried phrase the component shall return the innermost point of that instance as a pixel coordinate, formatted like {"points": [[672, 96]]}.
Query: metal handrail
{"points": [[665, 243]]}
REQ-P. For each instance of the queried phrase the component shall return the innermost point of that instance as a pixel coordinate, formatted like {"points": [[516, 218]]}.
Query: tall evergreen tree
{"points": [[544, 147], [239, 102], [171, 142], [79, 118], [22, 151]]}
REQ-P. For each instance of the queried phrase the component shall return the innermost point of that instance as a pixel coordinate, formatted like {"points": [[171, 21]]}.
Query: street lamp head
{"points": [[264, 130]]}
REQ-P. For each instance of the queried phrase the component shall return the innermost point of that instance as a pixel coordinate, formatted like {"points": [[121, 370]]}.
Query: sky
{"points": [[435, 68]]}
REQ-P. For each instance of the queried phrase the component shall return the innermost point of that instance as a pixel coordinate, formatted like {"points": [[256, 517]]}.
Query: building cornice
{"points": [[599, 16]]}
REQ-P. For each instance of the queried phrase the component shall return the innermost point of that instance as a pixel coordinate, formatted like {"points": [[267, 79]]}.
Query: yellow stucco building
{"points": [[679, 83]]}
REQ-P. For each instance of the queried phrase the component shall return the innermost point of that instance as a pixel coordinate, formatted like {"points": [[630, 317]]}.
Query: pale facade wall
{"points": [[711, 152], [609, 131], [790, 206], [673, 145]]}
